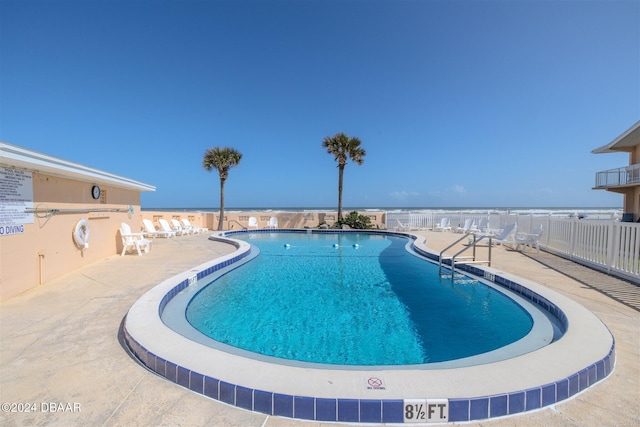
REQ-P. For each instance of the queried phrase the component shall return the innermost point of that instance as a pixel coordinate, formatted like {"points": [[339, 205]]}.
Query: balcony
{"points": [[621, 177]]}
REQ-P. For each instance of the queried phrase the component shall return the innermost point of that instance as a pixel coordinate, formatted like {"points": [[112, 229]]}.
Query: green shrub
{"points": [[356, 221]]}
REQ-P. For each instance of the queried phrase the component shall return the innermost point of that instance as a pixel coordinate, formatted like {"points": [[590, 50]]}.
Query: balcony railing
{"points": [[629, 175]]}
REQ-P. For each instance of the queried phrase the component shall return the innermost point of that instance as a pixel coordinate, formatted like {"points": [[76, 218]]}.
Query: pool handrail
{"points": [[468, 260]]}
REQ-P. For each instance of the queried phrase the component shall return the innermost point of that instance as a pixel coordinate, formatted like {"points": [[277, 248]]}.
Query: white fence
{"points": [[607, 245]]}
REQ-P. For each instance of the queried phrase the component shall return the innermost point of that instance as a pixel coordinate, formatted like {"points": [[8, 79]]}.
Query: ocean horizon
{"points": [[483, 209]]}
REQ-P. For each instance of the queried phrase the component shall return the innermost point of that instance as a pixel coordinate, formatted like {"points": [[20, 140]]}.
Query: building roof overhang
{"points": [[22, 158], [625, 142]]}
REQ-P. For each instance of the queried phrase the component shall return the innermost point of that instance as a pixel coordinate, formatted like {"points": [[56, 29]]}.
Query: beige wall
{"points": [[632, 197], [196, 219], [46, 249], [632, 203], [237, 221], [630, 200]]}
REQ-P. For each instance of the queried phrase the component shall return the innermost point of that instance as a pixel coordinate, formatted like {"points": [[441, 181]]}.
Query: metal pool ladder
{"points": [[242, 226], [457, 259]]}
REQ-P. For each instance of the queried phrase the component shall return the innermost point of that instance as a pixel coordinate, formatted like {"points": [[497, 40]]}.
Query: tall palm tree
{"points": [[222, 159], [343, 147]]}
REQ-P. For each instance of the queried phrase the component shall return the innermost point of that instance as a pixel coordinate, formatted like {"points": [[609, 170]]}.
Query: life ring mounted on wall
{"points": [[81, 233]]}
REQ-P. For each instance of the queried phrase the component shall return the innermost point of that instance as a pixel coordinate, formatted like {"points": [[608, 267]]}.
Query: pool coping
{"points": [[581, 358]]}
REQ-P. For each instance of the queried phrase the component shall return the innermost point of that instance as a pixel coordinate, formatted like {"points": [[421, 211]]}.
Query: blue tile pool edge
{"points": [[368, 410]]}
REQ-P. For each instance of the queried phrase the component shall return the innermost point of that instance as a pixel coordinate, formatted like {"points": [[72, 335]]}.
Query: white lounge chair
{"points": [[466, 228], [504, 236], [444, 225], [253, 222], [273, 222], [175, 224], [495, 231], [133, 240], [187, 224], [529, 239], [164, 224], [402, 227], [150, 230], [481, 227]]}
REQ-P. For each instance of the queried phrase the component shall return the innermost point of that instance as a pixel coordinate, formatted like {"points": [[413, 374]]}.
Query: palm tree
{"points": [[343, 147], [222, 159]]}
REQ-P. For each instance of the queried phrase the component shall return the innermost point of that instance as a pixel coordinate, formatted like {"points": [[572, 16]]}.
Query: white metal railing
{"points": [[616, 177], [604, 244]]}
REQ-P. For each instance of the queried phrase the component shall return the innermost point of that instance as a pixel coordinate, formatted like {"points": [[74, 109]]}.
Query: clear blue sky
{"points": [[458, 103]]}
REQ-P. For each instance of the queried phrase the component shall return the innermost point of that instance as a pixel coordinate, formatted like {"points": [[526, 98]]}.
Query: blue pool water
{"points": [[352, 299]]}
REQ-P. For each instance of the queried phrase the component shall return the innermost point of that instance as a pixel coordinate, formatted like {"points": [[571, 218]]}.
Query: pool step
{"points": [[486, 261]]}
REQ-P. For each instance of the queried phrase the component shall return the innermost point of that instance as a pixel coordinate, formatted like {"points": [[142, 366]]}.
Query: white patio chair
{"points": [[187, 224], [468, 225], [506, 235], [402, 227], [253, 222], [175, 224], [133, 240], [150, 230], [164, 224], [444, 225], [481, 227], [529, 239], [273, 222]]}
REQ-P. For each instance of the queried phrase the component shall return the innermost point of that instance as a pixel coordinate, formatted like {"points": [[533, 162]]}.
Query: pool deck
{"points": [[61, 343]]}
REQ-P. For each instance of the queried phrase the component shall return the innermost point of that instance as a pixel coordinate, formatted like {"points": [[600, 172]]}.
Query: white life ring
{"points": [[81, 233]]}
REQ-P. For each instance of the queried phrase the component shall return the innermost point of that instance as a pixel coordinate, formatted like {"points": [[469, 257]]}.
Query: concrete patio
{"points": [[61, 347]]}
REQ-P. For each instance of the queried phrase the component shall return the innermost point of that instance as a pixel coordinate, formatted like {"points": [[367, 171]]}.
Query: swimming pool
{"points": [[354, 299], [526, 381]]}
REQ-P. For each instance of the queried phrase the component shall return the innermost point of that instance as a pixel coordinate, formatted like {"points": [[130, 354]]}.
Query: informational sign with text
{"points": [[16, 196]]}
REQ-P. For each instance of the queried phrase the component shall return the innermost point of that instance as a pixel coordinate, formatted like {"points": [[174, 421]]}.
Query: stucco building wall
{"points": [[42, 200], [239, 220], [46, 249]]}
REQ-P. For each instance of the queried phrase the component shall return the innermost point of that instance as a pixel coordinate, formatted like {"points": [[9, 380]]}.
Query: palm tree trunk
{"points": [[221, 220], [340, 175]]}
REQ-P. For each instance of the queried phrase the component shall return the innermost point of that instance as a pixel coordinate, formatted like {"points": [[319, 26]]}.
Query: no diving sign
{"points": [[375, 383], [6, 229]]}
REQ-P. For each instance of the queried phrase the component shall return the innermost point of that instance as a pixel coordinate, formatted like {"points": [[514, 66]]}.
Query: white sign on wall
{"points": [[16, 195]]}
